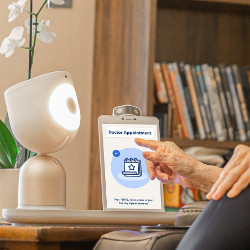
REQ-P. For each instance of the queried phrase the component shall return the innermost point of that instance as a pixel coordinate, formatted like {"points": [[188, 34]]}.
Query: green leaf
{"points": [[8, 148], [31, 154], [4, 161]]}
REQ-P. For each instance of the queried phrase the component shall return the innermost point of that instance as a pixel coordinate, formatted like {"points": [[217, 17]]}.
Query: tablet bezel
{"points": [[129, 119]]}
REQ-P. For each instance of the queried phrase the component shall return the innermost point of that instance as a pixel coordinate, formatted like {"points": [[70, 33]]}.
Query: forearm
{"points": [[206, 176]]}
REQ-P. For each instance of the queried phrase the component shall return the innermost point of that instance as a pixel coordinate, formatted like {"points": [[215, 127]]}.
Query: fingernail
{"points": [[230, 194], [208, 196], [215, 196]]}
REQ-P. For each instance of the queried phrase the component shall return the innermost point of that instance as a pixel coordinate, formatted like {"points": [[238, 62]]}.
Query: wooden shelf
{"points": [[185, 143], [233, 6], [130, 35]]}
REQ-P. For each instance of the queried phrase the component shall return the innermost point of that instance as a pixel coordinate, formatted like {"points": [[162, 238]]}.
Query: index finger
{"points": [[148, 143]]}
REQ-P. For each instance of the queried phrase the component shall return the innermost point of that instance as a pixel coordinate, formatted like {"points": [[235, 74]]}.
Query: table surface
{"points": [[56, 237], [58, 233]]}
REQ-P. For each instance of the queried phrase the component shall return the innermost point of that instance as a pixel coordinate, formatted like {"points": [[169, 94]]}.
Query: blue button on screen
{"points": [[116, 153]]}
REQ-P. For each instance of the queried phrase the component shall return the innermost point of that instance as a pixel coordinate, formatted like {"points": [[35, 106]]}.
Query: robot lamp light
{"points": [[64, 108]]}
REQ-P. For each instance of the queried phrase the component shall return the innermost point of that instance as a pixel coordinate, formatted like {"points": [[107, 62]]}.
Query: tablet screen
{"points": [[128, 185]]}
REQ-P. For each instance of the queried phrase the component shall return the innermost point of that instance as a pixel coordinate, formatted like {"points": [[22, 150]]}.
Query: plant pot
{"points": [[8, 188]]}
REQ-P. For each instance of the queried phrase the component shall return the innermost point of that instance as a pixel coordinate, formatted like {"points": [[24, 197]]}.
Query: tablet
{"points": [[126, 184]]}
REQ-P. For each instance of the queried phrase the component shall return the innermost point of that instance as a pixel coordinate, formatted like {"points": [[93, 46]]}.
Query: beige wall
{"points": [[71, 50]]}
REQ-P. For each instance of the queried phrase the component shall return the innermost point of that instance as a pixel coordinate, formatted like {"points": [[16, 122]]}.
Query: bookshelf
{"points": [[131, 35], [185, 143]]}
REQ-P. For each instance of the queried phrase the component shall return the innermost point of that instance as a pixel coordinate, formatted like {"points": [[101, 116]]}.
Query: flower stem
{"points": [[31, 13], [34, 42], [41, 7], [32, 46], [30, 42]]}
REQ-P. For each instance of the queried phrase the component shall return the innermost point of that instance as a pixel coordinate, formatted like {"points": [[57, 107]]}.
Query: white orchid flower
{"points": [[15, 9], [43, 34], [15, 39], [55, 2]]}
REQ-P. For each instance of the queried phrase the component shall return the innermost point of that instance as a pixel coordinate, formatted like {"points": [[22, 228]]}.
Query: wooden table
{"points": [[61, 237], [54, 237]]}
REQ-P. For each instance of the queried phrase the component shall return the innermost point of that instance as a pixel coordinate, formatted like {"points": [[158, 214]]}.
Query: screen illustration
{"points": [[132, 167], [129, 168]]}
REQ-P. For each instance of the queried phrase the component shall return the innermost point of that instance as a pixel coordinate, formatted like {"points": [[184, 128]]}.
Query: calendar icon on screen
{"points": [[132, 167]]}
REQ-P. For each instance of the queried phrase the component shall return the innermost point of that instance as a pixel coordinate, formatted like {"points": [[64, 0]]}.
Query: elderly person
{"points": [[223, 224]]}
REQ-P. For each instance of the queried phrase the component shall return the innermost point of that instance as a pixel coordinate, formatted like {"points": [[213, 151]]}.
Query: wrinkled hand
{"points": [[169, 163], [235, 176]]}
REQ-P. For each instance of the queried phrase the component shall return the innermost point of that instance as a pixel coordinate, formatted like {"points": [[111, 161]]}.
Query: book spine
{"points": [[236, 105], [194, 99], [188, 99], [167, 81], [241, 97], [175, 119], [205, 101], [170, 120], [229, 100], [222, 99], [219, 112], [183, 101], [161, 112], [213, 103], [160, 85], [179, 105], [246, 85], [200, 102]]}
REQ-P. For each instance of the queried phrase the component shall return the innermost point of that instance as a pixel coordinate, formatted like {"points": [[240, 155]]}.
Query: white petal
{"points": [[45, 24], [20, 43], [10, 52], [12, 16], [4, 45], [58, 1], [16, 33], [48, 3], [46, 36], [22, 2]]}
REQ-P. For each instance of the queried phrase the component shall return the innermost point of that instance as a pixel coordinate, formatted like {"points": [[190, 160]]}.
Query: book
{"points": [[175, 121], [167, 81], [241, 97], [213, 103], [236, 105], [161, 111], [179, 105], [246, 83], [222, 99], [175, 195], [194, 99], [188, 99], [161, 92], [183, 101], [205, 101], [229, 100], [219, 112], [200, 102]]}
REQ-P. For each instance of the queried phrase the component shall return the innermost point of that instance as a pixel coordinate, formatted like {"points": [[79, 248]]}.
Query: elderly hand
{"points": [[169, 163], [235, 176]]}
